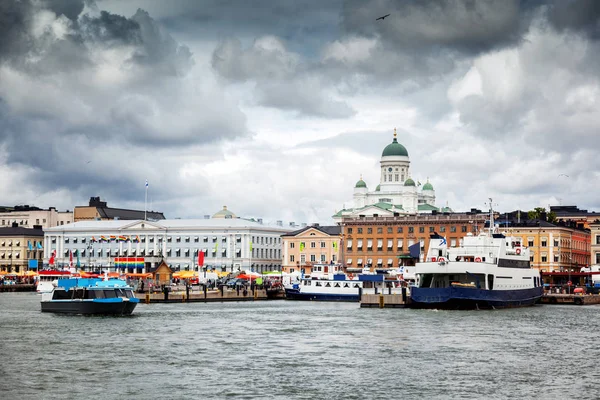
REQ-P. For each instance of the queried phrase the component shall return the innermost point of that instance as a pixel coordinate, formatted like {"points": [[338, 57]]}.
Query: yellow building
{"points": [[595, 242], [310, 245], [97, 210], [554, 247], [18, 245]]}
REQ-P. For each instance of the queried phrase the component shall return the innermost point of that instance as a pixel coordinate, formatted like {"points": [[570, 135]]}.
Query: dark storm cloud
{"points": [[14, 16], [576, 15], [282, 79], [465, 25], [111, 29], [69, 8]]}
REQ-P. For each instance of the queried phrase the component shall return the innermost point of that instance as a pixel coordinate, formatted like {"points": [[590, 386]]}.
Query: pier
{"points": [[380, 300], [214, 295], [575, 299]]}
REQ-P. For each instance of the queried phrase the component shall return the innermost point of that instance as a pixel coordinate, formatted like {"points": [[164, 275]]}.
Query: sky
{"points": [[276, 109]]}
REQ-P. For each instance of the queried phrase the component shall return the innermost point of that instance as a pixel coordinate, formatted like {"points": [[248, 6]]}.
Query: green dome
{"points": [[427, 186], [360, 184], [394, 149], [409, 182], [378, 188]]}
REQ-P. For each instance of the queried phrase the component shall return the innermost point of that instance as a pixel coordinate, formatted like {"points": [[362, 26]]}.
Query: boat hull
{"points": [[295, 294], [94, 307], [452, 298]]}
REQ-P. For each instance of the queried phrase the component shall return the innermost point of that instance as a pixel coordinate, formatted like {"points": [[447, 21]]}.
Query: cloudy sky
{"points": [[275, 109]]}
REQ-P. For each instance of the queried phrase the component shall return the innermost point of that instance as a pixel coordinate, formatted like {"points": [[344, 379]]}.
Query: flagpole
{"points": [[146, 200]]}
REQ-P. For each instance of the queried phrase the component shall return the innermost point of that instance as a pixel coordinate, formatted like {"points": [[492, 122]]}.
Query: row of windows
{"points": [[25, 222], [313, 258], [259, 253], [313, 245], [178, 239], [411, 229]]}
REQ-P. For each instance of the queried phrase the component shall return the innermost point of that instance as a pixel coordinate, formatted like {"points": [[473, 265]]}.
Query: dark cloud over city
{"points": [[276, 109]]}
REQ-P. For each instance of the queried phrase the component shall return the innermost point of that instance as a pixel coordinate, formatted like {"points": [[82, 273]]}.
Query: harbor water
{"points": [[297, 350]]}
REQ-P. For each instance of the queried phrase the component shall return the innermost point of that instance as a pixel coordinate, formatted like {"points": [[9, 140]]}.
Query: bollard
{"points": [[148, 298], [187, 292], [205, 289], [381, 302], [404, 295], [222, 291], [390, 290]]}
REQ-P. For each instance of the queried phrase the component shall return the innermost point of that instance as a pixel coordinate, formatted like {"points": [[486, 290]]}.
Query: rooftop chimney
{"points": [[292, 223], [280, 223]]}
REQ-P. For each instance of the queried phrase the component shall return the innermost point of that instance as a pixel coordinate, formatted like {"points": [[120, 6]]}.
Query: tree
{"points": [[536, 213]]}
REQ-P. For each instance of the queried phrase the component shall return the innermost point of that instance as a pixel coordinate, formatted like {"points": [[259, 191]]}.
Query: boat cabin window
{"points": [[346, 285], [109, 294], [440, 253], [327, 284], [61, 294], [356, 285], [318, 284], [337, 285]]}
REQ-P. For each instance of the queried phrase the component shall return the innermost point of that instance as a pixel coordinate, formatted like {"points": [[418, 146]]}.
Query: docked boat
{"points": [[91, 296], [47, 278], [329, 283], [490, 270]]}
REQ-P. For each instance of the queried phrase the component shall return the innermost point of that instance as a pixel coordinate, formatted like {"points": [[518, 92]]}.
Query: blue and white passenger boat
{"points": [[92, 296], [490, 270], [328, 282]]}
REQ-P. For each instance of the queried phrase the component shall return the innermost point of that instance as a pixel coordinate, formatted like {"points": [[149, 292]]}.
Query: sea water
{"points": [[297, 350]]}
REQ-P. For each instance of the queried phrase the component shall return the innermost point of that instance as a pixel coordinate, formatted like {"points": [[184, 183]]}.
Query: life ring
{"points": [[433, 259], [441, 259], [518, 251], [477, 259]]}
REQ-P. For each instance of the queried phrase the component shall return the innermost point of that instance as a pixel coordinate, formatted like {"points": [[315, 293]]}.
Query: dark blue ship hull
{"points": [[295, 294], [452, 298], [91, 307]]}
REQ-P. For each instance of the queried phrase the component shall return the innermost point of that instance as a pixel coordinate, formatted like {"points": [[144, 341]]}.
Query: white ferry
{"points": [[328, 282], [490, 270]]}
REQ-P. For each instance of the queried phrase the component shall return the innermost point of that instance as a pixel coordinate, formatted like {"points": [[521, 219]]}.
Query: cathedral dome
{"points": [[378, 188], [394, 148], [360, 184], [409, 182], [427, 186]]}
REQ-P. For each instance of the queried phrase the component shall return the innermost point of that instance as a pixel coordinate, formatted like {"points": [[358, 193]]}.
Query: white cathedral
{"points": [[397, 193]]}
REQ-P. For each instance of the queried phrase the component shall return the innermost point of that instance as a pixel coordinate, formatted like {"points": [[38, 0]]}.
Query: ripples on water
{"points": [[297, 350]]}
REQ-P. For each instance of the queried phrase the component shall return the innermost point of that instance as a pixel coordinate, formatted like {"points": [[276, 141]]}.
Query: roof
{"points": [[409, 182], [331, 230], [122, 213], [20, 231], [218, 223], [360, 184], [427, 207], [394, 149], [427, 186]]}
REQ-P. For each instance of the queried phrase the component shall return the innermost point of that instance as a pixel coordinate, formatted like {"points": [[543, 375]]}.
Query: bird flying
{"points": [[382, 18], [564, 175]]}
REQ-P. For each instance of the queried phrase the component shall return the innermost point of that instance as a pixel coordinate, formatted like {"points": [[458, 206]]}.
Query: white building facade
{"points": [[27, 217], [229, 244], [397, 193]]}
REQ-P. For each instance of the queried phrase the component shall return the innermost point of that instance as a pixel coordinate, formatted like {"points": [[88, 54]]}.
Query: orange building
{"points": [[382, 242]]}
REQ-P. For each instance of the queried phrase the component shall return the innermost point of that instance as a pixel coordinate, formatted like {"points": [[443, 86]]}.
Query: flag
{"points": [[216, 247], [93, 239], [335, 246], [415, 250], [29, 246], [52, 258], [418, 183], [39, 245], [70, 258], [78, 263], [146, 183], [251, 247], [301, 246], [200, 258]]}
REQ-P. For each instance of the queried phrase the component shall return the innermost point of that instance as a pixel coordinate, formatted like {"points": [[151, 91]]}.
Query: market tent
{"points": [[185, 274], [246, 276], [138, 275]]}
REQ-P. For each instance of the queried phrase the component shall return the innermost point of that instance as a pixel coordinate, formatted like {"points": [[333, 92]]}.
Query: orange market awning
{"points": [[185, 274], [138, 275]]}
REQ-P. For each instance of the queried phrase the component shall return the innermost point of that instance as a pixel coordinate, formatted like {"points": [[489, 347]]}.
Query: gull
{"points": [[564, 175], [382, 18]]}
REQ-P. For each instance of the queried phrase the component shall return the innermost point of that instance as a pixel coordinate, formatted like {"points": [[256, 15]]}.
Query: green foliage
{"points": [[537, 212]]}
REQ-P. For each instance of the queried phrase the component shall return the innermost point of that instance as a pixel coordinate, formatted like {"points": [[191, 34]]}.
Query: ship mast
{"points": [[491, 217]]}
